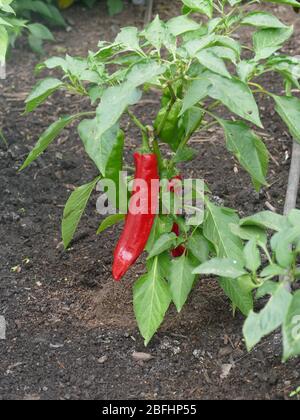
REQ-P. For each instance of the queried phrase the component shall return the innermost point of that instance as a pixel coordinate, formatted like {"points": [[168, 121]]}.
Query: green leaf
{"points": [[288, 109], [262, 20], [182, 24], [222, 267], [268, 288], [227, 41], [116, 99], [114, 102], [47, 138], [239, 292], [56, 16], [165, 242], [162, 224], [181, 280], [54, 62], [282, 245], [235, 95], [223, 52], [41, 92], [106, 150], [294, 217], [185, 154], [197, 90], [36, 44], [145, 72], [40, 31], [265, 220], [5, 6], [110, 221], [201, 6], [291, 329], [293, 3], [157, 34], [217, 230], [192, 120], [269, 319], [199, 246], [212, 62], [3, 44], [151, 300], [115, 7], [268, 41], [193, 46], [74, 209], [128, 38], [273, 270], [249, 149], [252, 256], [245, 69], [247, 233]]}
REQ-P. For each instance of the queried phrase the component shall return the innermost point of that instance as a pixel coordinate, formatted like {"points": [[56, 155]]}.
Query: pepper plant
{"points": [[197, 68]]}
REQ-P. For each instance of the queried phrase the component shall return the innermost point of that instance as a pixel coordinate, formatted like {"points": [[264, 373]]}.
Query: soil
{"points": [[71, 331]]}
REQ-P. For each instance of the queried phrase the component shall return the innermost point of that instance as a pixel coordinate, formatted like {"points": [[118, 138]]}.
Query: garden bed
{"points": [[71, 331]]}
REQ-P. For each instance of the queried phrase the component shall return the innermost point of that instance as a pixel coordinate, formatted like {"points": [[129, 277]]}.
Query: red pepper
{"points": [[180, 250], [138, 226]]}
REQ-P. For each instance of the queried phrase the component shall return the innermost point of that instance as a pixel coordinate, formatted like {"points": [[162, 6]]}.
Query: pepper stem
{"points": [[144, 131]]}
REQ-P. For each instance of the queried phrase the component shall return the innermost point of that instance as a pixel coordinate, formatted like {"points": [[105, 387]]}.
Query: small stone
{"points": [[102, 360], [32, 397], [139, 356], [226, 369], [56, 346], [176, 350], [197, 353]]}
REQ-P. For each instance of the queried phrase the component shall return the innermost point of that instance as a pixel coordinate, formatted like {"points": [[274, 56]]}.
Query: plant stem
{"points": [[143, 129], [157, 151], [149, 12], [293, 182]]}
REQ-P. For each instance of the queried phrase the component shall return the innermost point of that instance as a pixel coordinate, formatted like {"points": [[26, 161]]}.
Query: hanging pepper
{"points": [[180, 250], [138, 224]]}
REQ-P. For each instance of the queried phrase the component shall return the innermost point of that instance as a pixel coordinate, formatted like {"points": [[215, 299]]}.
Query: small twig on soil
{"points": [[270, 207], [293, 182]]}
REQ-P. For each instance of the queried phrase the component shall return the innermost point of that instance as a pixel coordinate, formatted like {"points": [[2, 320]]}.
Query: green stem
{"points": [[87, 114], [137, 122], [265, 249], [157, 151]]}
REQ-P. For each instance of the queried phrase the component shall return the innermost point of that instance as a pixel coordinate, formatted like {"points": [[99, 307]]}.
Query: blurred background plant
{"points": [[31, 17], [35, 17]]}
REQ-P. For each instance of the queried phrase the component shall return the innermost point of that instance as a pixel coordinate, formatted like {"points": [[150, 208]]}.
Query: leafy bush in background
{"points": [[18, 16]]}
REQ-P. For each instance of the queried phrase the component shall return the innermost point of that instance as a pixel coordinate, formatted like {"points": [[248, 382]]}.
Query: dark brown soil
{"points": [[63, 311]]}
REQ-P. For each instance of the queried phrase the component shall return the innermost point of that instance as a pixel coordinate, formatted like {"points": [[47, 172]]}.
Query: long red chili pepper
{"points": [[180, 250], [138, 226]]}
